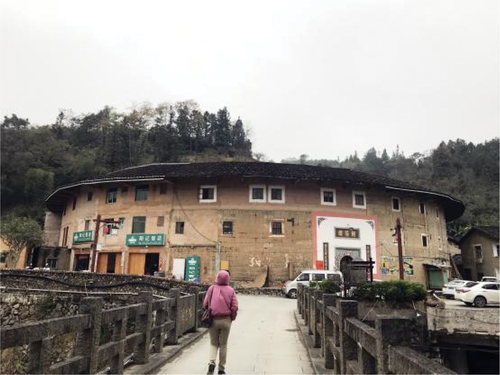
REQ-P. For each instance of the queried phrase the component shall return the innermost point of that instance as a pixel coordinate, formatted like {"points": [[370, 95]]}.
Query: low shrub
{"points": [[325, 285], [395, 291], [329, 286]]}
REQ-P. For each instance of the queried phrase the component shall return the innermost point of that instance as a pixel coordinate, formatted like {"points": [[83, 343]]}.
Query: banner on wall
{"points": [[390, 265]]}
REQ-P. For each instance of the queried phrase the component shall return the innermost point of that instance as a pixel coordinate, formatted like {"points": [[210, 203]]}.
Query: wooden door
{"points": [[136, 264], [118, 263], [102, 262]]}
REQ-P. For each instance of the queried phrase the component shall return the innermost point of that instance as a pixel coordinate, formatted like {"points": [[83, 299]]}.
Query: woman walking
{"points": [[222, 302]]}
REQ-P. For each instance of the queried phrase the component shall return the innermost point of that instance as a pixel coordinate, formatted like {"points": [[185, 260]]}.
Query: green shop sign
{"points": [[192, 269], [145, 239], [85, 236]]}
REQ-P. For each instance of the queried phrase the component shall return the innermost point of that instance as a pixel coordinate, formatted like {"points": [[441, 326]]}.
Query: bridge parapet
{"points": [[350, 346], [140, 328]]}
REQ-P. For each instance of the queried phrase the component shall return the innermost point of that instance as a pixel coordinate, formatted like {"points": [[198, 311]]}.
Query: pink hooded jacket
{"points": [[223, 302]]}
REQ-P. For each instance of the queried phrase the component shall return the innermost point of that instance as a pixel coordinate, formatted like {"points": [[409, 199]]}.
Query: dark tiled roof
{"points": [[492, 231], [260, 170], [488, 231]]}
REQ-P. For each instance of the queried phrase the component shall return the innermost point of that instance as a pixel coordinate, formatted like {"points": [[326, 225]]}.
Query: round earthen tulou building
{"points": [[187, 220]]}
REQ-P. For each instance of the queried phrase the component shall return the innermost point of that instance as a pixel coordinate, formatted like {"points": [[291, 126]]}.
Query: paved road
{"points": [[263, 340]]}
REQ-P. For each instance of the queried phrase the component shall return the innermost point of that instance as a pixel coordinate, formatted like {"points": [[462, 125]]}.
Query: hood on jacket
{"points": [[222, 278]]}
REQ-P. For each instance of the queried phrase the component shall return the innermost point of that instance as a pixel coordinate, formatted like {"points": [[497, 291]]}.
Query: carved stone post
{"points": [[174, 316], [318, 296], [87, 343], [143, 325], [328, 300], [348, 347]]}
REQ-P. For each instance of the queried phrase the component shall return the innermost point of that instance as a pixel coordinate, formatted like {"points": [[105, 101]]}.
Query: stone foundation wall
{"points": [[95, 282]]}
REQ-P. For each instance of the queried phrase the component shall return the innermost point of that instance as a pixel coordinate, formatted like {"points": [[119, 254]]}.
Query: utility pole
{"points": [[400, 250], [93, 252]]}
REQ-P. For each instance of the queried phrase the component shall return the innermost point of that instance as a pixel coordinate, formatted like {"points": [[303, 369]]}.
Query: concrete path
{"points": [[263, 340]]}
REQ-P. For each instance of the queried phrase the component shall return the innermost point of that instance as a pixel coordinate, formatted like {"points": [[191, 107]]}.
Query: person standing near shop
{"points": [[223, 304]]}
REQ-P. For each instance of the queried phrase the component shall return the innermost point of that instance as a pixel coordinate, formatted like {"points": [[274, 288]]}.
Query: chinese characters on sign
{"points": [[346, 233], [145, 240], [192, 269], [85, 236], [326, 259]]}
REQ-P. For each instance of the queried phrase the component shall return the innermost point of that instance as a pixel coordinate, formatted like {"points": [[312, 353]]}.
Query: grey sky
{"points": [[323, 78]]}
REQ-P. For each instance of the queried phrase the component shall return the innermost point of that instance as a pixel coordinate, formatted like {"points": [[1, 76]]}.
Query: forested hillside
{"points": [[463, 170], [35, 160]]}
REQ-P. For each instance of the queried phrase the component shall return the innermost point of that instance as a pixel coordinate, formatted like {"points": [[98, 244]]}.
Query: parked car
{"points": [[449, 289], [481, 294], [458, 290], [489, 279], [289, 288]]}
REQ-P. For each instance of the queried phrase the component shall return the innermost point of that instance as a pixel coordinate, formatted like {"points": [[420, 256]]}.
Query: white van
{"points": [[289, 288]]}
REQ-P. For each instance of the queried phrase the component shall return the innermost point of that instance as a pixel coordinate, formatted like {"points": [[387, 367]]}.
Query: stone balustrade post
{"points": [[39, 356], [390, 330], [143, 325], [300, 290], [161, 316], [174, 316], [306, 305], [327, 324], [119, 335], [348, 347], [318, 296], [197, 306], [312, 309], [87, 342]]}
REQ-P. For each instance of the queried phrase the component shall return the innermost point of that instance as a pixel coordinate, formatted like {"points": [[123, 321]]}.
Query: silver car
{"points": [[449, 289]]}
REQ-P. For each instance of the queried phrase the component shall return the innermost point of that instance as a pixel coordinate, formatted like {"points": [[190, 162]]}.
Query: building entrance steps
{"points": [[264, 339]]}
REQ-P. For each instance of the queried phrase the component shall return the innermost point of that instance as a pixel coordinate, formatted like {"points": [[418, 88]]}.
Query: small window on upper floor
{"points": [[141, 193], [160, 221], [163, 189], [358, 199], [328, 197], [87, 225], [478, 253], [111, 195], [437, 213], [396, 204], [421, 208], [139, 224], [64, 210], [425, 242], [89, 196], [276, 194], [227, 227], [74, 202], [257, 193], [496, 250], [276, 228], [208, 194], [179, 227]]}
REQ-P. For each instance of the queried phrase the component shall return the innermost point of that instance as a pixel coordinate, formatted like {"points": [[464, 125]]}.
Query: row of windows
{"points": [[257, 194]]}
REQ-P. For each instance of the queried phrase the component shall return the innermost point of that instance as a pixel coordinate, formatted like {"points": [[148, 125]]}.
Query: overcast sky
{"points": [[322, 78]]}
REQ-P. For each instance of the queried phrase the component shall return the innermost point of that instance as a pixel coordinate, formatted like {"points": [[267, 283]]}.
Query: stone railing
{"points": [[350, 346], [140, 328]]}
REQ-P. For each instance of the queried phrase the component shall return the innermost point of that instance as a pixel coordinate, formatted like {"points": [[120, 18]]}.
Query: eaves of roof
{"points": [[168, 171]]}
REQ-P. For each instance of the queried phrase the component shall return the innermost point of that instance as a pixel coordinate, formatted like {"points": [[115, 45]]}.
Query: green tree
{"points": [[20, 233]]}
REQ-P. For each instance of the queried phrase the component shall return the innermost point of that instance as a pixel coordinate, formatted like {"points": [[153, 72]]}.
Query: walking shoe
{"points": [[221, 372], [211, 368]]}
